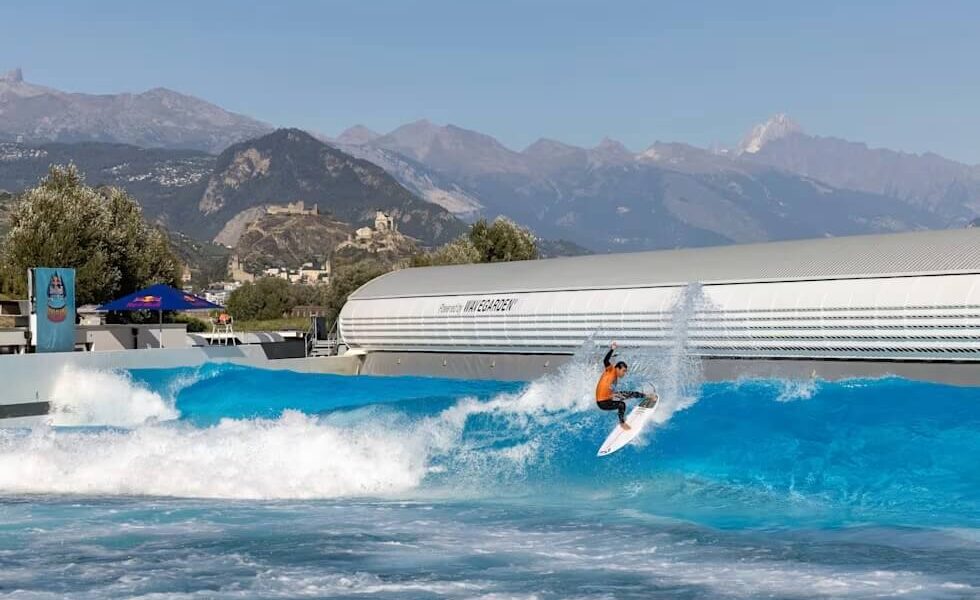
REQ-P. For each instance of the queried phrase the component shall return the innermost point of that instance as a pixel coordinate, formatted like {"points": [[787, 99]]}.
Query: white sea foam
{"points": [[796, 389], [314, 550], [98, 397], [784, 390], [544, 400], [294, 456], [372, 451]]}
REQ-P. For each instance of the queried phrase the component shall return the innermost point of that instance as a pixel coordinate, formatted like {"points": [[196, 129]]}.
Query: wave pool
{"points": [[230, 482]]}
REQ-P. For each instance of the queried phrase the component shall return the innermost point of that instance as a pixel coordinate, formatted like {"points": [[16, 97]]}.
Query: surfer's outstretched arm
{"points": [[607, 361]]}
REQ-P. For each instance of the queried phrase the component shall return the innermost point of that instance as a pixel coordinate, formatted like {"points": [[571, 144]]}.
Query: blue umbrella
{"points": [[159, 297]]}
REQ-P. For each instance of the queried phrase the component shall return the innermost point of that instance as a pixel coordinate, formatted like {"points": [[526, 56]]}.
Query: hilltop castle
{"points": [[293, 208], [383, 237]]}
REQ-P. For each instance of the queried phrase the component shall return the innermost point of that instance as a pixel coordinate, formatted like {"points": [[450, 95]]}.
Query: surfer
{"points": [[606, 397]]}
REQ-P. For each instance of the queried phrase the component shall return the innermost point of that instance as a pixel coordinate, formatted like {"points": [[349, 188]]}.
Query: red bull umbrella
{"points": [[159, 297]]}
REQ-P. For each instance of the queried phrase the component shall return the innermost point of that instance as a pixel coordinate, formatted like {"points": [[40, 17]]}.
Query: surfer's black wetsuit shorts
{"points": [[618, 405]]}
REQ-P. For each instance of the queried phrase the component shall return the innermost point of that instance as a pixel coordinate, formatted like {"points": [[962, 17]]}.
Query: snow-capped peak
{"points": [[651, 153], [779, 125]]}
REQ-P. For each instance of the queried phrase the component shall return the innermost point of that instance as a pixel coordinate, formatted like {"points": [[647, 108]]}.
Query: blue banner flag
{"points": [[54, 302]]}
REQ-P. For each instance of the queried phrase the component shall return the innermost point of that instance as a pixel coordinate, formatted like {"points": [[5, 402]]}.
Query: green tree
{"points": [[499, 241], [302, 295], [502, 241], [460, 251], [264, 299], [99, 232]]}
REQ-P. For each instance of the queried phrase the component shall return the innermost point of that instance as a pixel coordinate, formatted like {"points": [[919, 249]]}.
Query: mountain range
{"points": [[216, 197], [156, 118], [778, 183], [609, 198], [946, 187]]}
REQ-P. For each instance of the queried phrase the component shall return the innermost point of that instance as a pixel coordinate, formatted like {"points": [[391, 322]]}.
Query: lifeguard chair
{"points": [[223, 329]]}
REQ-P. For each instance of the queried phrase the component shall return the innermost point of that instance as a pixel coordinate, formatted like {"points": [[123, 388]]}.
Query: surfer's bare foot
{"points": [[625, 426]]}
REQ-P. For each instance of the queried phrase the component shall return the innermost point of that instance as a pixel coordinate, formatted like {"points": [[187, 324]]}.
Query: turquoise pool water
{"points": [[228, 482]]}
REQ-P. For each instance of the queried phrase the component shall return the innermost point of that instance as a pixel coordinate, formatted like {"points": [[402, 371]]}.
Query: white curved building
{"points": [[864, 305]]}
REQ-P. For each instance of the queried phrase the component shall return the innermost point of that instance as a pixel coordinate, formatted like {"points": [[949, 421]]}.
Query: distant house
{"points": [[364, 234], [220, 291], [312, 275], [308, 274]]}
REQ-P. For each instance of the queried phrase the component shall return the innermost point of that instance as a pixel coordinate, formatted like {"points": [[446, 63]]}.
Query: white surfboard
{"points": [[637, 419]]}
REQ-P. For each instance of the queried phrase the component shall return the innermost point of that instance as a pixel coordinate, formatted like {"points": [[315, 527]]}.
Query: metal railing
{"points": [[319, 343]]}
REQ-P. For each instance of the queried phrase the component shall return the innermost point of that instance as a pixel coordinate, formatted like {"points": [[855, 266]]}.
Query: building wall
{"points": [[237, 272], [934, 317], [29, 379], [526, 367], [108, 338]]}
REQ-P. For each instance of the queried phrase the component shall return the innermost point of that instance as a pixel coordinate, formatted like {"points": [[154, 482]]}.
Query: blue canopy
{"points": [[159, 297]]}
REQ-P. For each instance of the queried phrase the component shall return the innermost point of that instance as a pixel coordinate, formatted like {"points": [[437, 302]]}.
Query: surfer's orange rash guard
{"points": [[604, 390]]}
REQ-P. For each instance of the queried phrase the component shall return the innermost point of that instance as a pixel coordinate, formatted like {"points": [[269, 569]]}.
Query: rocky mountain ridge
{"points": [[155, 118], [778, 183], [201, 194], [289, 240], [608, 198], [423, 181], [929, 181], [290, 165]]}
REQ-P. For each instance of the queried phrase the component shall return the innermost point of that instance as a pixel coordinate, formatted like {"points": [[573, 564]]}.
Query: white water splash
{"points": [[96, 397], [676, 371], [370, 451], [786, 390], [796, 389], [295, 456]]}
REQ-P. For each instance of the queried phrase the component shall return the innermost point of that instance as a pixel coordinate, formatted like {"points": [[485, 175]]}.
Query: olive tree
{"points": [[499, 241], [502, 241], [101, 233], [460, 251]]}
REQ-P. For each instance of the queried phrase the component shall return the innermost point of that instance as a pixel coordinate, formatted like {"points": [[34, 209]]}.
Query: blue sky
{"points": [[904, 75]]}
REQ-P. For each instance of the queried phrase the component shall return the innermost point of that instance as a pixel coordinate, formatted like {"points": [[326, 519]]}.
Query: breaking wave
{"points": [[887, 450], [102, 397]]}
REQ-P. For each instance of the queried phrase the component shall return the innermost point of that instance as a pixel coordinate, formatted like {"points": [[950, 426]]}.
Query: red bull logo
{"points": [[144, 301]]}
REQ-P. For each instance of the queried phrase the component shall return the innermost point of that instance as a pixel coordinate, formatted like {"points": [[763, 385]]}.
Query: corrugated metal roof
{"points": [[924, 252]]}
